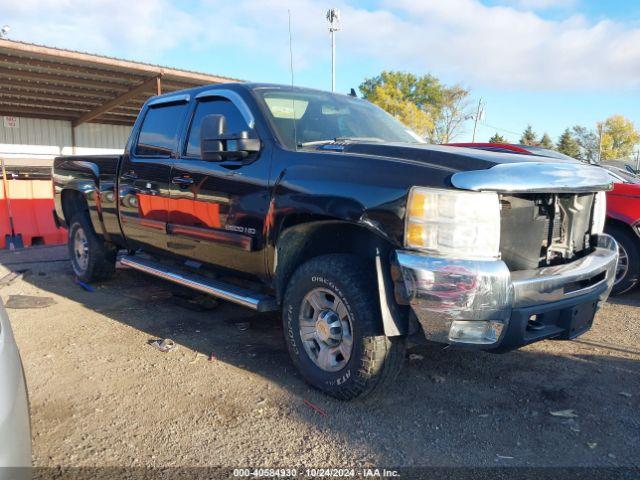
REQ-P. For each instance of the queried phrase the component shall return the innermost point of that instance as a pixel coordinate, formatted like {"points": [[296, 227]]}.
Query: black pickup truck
{"points": [[326, 208]]}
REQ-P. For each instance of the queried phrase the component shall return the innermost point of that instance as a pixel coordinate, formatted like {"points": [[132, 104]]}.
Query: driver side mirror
{"points": [[216, 145]]}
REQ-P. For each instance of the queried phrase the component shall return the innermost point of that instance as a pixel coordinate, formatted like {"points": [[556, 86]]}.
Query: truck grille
{"points": [[539, 230]]}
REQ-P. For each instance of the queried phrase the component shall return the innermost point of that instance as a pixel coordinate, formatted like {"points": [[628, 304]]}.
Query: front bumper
{"points": [[481, 303]]}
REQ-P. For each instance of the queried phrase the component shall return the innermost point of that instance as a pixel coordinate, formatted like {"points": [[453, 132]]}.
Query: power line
{"points": [[500, 129]]}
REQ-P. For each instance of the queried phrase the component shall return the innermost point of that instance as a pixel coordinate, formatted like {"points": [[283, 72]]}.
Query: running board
{"points": [[225, 291]]}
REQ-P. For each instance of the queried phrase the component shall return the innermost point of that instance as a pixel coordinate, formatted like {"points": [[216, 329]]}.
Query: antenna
{"points": [[293, 100]]}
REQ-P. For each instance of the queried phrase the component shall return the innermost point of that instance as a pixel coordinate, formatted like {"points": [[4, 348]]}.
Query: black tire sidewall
{"points": [[632, 247], [305, 280], [80, 221]]}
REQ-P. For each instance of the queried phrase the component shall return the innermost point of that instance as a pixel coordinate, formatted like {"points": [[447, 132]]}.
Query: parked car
{"points": [[623, 210], [328, 209], [15, 427], [623, 223]]}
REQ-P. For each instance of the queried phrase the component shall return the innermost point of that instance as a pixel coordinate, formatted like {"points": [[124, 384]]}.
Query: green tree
{"points": [[588, 142], [426, 92], [546, 142], [568, 145], [391, 99], [497, 138], [529, 137], [618, 138], [434, 110]]}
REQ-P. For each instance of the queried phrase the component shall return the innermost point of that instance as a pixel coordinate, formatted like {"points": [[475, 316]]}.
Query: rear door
{"points": [[145, 175], [218, 209]]}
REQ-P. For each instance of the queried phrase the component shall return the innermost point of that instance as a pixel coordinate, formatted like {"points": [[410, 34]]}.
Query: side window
{"points": [[159, 132], [235, 121]]}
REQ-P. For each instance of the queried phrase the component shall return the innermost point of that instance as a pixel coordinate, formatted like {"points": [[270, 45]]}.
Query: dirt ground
{"points": [[101, 396]]}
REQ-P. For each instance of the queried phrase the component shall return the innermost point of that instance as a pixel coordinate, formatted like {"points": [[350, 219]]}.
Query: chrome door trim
{"points": [[181, 98], [535, 177]]}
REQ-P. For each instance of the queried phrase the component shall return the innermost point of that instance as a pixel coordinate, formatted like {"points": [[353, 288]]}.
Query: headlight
{"points": [[599, 212], [453, 223]]}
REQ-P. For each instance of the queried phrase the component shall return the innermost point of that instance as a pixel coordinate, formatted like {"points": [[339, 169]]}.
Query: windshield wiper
{"points": [[315, 142], [339, 140]]}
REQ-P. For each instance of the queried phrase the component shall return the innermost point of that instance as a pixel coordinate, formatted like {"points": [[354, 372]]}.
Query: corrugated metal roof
{"points": [[45, 82]]}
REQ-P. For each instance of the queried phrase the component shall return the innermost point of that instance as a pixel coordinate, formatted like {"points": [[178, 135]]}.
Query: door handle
{"points": [[182, 181], [131, 175]]}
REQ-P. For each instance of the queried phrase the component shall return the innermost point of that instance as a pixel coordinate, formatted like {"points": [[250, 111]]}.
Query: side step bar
{"points": [[225, 291]]}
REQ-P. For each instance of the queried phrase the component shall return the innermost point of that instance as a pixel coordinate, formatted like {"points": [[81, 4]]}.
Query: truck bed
{"points": [[106, 166], [89, 174]]}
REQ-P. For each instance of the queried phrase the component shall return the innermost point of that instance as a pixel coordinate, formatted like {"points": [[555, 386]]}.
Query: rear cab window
{"points": [[160, 129]]}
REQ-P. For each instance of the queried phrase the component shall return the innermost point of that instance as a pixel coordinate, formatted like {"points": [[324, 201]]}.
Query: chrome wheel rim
{"points": [[326, 330], [623, 263], [81, 249]]}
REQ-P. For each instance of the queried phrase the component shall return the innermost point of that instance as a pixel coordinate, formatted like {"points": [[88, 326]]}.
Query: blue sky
{"points": [[548, 63]]}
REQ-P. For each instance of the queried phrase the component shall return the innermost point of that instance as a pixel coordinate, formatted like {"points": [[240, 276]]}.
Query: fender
{"points": [[85, 177]]}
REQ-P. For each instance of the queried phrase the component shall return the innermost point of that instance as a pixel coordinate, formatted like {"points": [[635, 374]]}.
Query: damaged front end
{"points": [[553, 267], [540, 230]]}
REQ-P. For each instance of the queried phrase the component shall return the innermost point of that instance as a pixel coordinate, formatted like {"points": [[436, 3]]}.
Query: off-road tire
{"points": [[101, 261], [631, 244], [375, 359]]}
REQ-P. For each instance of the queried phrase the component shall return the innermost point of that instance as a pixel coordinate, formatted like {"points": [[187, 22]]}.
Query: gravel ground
{"points": [[101, 396]]}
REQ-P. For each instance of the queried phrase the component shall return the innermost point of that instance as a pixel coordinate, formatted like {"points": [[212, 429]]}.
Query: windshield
{"points": [[321, 117]]}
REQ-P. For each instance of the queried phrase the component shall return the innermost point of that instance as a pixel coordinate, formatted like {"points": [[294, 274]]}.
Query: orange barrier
{"points": [[32, 207]]}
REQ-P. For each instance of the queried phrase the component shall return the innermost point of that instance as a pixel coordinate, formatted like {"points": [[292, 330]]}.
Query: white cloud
{"points": [[541, 4], [112, 27], [500, 46]]}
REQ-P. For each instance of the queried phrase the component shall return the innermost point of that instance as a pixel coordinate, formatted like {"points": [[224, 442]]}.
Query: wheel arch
{"points": [[614, 222], [72, 202], [303, 238]]}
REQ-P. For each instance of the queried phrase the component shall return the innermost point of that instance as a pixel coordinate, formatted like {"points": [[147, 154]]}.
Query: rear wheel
{"points": [[91, 257], [333, 328], [628, 271]]}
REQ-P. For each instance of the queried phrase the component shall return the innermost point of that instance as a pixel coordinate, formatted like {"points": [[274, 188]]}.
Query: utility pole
{"points": [[333, 17], [477, 117], [599, 144]]}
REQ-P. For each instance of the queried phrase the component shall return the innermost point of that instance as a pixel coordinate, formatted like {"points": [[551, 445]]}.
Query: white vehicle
{"points": [[15, 427]]}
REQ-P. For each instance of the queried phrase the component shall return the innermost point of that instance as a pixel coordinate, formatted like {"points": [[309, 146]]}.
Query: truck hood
{"points": [[455, 159], [481, 170]]}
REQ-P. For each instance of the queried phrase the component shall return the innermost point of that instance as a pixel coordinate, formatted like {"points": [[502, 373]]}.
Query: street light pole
{"points": [[333, 17]]}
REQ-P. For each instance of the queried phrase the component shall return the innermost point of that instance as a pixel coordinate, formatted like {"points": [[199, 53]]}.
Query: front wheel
{"points": [[333, 328], [628, 270]]}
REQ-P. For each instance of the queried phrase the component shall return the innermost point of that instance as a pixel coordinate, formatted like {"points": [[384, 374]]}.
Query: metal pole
{"points": [[600, 144], [333, 61], [333, 18], [475, 123]]}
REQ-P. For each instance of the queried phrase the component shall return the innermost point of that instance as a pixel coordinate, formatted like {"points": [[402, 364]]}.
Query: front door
{"points": [[218, 208], [145, 176]]}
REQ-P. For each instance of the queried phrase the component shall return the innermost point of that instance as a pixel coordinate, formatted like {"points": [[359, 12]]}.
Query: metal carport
{"points": [[44, 82]]}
